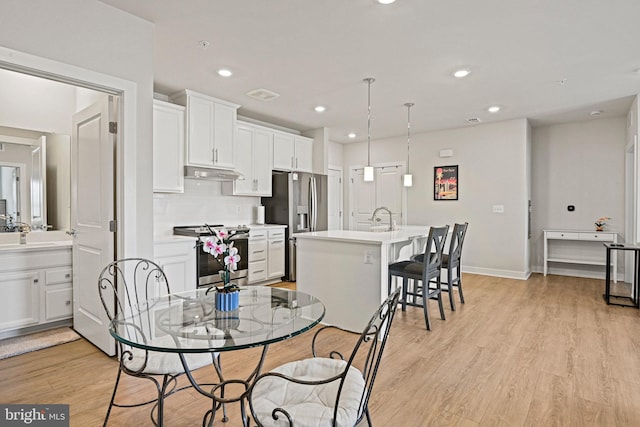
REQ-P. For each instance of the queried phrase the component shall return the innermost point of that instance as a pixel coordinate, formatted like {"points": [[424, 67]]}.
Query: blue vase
{"points": [[227, 301]]}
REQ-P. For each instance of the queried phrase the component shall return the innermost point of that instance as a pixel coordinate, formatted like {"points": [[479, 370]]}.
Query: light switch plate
{"points": [[498, 208]]}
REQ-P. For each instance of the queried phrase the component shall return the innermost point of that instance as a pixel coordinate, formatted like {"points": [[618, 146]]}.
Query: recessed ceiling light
{"points": [[386, 1], [493, 109], [461, 73], [203, 44], [352, 135], [320, 109], [224, 72]]}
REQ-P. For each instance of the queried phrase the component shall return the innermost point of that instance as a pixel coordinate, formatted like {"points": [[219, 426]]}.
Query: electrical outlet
{"points": [[498, 208], [368, 257], [237, 209]]}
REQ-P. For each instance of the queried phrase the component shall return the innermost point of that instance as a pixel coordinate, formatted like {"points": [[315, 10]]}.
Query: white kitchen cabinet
{"points": [[292, 152], [168, 147], [36, 288], [275, 256], [211, 128], [254, 159], [266, 254], [258, 247], [177, 258]]}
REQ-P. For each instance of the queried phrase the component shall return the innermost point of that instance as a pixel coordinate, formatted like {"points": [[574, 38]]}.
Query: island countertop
{"points": [[401, 234]]}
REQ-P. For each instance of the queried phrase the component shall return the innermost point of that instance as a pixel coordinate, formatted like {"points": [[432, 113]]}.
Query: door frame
{"points": [[125, 201], [341, 198]]}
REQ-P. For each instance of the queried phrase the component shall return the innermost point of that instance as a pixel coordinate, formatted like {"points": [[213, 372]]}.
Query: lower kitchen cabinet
{"points": [[266, 254], [35, 289], [276, 253], [177, 258]]}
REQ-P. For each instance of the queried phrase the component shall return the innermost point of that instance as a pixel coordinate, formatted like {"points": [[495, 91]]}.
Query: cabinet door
{"points": [[19, 302], [276, 254], [283, 151], [200, 115], [262, 161], [168, 147], [175, 269], [304, 154], [224, 136], [58, 302], [244, 163]]}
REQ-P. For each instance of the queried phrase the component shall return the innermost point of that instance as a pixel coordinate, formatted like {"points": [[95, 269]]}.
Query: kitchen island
{"points": [[347, 270]]}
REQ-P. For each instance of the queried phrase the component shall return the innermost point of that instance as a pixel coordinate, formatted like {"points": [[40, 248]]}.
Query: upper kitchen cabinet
{"points": [[168, 147], [292, 152], [211, 126], [254, 157]]}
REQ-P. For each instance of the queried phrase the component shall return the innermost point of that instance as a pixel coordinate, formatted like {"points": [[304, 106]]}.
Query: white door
{"points": [[389, 192], [92, 209], [363, 200], [335, 199]]}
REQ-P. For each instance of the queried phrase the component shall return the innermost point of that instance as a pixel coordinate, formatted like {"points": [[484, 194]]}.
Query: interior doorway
{"points": [[36, 105], [385, 190]]}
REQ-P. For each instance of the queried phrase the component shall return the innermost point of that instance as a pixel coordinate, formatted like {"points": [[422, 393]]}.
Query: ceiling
{"points": [[548, 60]]}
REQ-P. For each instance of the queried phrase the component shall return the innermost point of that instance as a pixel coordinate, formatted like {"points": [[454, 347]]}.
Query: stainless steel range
{"points": [[208, 266]]}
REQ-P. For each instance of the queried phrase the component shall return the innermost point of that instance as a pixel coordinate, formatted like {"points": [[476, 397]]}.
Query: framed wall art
{"points": [[445, 182]]}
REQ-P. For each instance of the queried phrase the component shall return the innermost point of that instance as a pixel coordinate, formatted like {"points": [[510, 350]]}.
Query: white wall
{"points": [[492, 162], [96, 37], [580, 164]]}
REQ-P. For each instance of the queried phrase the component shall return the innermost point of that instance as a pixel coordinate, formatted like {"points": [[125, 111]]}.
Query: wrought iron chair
{"points": [[328, 391], [122, 285], [452, 262], [421, 273]]}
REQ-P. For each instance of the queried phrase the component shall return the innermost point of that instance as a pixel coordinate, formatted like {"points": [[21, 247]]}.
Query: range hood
{"points": [[211, 174]]}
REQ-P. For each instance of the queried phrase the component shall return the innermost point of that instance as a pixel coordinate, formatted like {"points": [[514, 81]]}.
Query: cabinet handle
{"points": [[67, 302], [66, 276], [296, 163], [215, 155], [257, 252], [35, 280], [292, 162]]}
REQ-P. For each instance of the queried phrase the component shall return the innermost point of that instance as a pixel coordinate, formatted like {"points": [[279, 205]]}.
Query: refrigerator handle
{"points": [[313, 201]]}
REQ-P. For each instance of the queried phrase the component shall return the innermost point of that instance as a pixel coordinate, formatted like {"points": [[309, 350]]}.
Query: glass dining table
{"points": [[188, 322]]}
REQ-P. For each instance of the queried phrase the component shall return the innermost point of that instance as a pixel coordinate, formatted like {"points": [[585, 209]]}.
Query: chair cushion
{"points": [[160, 363], [398, 267], [309, 405]]}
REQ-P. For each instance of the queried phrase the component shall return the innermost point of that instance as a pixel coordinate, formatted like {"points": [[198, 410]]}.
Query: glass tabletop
{"points": [[188, 322]]}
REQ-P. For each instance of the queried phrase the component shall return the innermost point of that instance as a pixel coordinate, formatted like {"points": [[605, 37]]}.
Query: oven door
{"points": [[209, 267]]}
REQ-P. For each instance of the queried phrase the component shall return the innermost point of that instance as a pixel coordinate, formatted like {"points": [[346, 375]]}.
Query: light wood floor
{"points": [[541, 352]]}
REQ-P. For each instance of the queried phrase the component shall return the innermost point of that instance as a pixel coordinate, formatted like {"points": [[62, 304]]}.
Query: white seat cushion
{"points": [[161, 363], [309, 405]]}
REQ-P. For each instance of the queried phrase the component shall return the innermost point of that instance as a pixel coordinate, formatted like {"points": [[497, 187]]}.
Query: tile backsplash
{"points": [[202, 202]]}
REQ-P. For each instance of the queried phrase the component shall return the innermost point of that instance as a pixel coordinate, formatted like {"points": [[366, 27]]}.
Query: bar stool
{"points": [[452, 262], [421, 273]]}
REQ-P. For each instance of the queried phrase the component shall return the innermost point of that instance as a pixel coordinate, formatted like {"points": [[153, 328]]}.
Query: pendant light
{"points": [[407, 178], [368, 170]]}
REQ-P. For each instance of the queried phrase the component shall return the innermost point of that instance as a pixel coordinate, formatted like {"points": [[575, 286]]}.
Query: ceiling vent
{"points": [[474, 120], [263, 94]]}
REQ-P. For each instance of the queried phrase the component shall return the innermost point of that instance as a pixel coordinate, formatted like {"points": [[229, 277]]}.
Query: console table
{"points": [[582, 236]]}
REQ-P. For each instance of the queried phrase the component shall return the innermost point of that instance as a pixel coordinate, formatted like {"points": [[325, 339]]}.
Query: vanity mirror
{"points": [[22, 183]]}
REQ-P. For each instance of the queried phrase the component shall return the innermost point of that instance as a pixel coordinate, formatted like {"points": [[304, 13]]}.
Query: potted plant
{"points": [[601, 222], [220, 245]]}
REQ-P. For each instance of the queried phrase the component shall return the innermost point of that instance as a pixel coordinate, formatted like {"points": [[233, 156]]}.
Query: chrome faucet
{"points": [[382, 208]]}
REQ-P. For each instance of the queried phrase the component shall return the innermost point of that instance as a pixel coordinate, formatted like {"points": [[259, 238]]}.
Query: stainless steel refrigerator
{"points": [[299, 201]]}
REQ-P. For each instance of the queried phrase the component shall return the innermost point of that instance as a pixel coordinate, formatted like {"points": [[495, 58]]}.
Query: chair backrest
{"points": [[129, 282], [455, 246], [433, 252], [370, 347]]}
